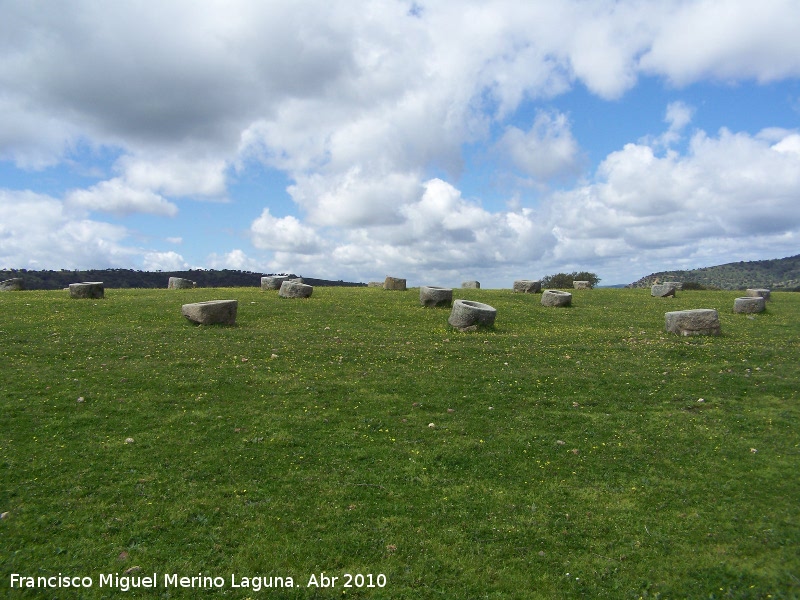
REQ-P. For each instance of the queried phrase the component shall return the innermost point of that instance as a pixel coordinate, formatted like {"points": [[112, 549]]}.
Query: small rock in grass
{"points": [[80, 399], [450, 410], [560, 442], [134, 569], [431, 425], [4, 515], [128, 440]]}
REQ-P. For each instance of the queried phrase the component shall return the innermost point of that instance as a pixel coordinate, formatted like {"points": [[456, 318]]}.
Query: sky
{"points": [[437, 141]]}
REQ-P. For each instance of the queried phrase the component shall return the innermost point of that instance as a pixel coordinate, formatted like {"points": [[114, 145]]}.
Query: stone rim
{"points": [[556, 298], [469, 314]]}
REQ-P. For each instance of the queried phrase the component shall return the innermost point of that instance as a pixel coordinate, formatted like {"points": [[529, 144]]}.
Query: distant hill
{"points": [[128, 278], [776, 274]]}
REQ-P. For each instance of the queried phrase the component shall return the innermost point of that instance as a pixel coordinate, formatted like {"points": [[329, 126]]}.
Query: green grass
{"points": [[570, 457]]}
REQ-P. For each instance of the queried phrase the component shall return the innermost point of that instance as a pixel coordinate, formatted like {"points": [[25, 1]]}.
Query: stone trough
{"points": [[211, 312], [527, 286], [759, 293], [294, 289], [87, 289], [749, 304], [394, 283], [582, 285], [468, 315], [12, 285], [179, 283], [273, 282], [556, 298], [662, 290], [700, 321], [434, 296]]}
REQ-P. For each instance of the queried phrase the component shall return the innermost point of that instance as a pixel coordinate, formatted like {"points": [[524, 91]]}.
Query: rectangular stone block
{"points": [[701, 321]]}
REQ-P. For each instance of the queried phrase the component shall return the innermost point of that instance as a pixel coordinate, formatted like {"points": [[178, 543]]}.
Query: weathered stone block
{"points": [[15, 284], [759, 292], [294, 289], [467, 315], [273, 283], [556, 298], [527, 286], [394, 283], [375, 284], [87, 289], [678, 284], [749, 304], [662, 290], [211, 312], [179, 283], [473, 285], [581, 285], [431, 296], [700, 321]]}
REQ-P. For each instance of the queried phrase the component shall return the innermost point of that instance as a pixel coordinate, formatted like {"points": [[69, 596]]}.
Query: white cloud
{"points": [[546, 151], [789, 144], [235, 259], [163, 261], [726, 190], [32, 139], [726, 194], [175, 176], [678, 115], [313, 84], [116, 196], [38, 233], [442, 215], [354, 198], [285, 234], [441, 235], [606, 39], [727, 40]]}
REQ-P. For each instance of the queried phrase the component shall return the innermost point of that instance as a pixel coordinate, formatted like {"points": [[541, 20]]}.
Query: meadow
{"points": [[566, 453]]}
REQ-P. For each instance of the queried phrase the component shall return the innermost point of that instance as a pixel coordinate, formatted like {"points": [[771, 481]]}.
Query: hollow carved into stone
{"points": [[467, 315]]}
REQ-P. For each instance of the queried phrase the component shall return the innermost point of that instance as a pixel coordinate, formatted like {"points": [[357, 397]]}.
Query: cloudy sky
{"points": [[434, 140]]}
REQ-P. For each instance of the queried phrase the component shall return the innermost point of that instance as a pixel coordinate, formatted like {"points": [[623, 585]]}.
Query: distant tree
{"points": [[564, 280], [558, 280]]}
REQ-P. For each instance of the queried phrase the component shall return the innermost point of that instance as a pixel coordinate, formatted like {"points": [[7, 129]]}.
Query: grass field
{"points": [[568, 453]]}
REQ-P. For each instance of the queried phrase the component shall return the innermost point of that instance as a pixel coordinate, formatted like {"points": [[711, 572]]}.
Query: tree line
{"points": [[129, 278]]}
